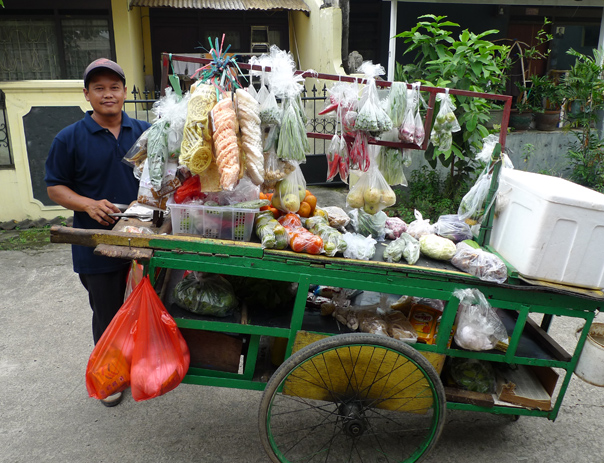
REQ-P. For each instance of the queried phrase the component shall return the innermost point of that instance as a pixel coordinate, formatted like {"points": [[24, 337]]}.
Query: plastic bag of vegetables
{"points": [[452, 227], [373, 225], [371, 192], [445, 123], [390, 161], [395, 226], [371, 116], [271, 233], [478, 325], [332, 238], [359, 246], [437, 247], [480, 263], [206, 294], [472, 374], [290, 191], [472, 206], [404, 246], [420, 226], [300, 239]]}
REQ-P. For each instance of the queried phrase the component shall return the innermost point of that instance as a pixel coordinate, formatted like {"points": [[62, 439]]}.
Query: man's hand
{"points": [[100, 210]]}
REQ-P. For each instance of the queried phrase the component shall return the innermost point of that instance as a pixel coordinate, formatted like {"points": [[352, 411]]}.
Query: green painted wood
{"points": [[207, 380], [498, 410], [251, 357]]}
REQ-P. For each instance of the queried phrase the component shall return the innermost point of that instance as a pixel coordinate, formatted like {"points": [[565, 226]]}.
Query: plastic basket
{"points": [[222, 222]]}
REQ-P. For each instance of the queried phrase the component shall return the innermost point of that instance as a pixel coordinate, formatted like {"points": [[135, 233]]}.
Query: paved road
{"points": [[46, 415]]}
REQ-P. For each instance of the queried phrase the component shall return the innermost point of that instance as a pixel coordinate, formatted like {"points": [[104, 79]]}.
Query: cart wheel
{"points": [[352, 398]]}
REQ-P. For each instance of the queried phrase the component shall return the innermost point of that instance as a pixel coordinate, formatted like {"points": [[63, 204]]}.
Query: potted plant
{"points": [[547, 97]]}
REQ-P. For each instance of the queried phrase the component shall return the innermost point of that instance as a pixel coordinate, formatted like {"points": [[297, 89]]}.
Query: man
{"points": [[85, 173]]}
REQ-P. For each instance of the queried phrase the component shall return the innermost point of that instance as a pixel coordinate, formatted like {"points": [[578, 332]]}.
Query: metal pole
{"points": [[392, 41]]}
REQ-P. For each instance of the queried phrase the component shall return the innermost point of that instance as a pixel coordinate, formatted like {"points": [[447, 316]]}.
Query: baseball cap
{"points": [[103, 63]]}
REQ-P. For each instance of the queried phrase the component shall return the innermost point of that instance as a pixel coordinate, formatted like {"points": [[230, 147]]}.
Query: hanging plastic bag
{"points": [[293, 142], [196, 150], [396, 104], [445, 123], [420, 226], [371, 192], [160, 359], [420, 132], [158, 198], [488, 145], [206, 294], [452, 227], [108, 369], [275, 169], [172, 109], [270, 114], [390, 161], [290, 192], [135, 276], [371, 116], [406, 131], [480, 263], [404, 246], [333, 157], [248, 111], [478, 325], [472, 205]]}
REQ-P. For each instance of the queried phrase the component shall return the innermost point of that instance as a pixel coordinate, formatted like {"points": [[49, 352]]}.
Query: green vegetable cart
{"points": [[340, 396]]}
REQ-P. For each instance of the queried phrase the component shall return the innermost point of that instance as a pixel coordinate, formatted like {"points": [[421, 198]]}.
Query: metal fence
{"points": [[313, 100]]}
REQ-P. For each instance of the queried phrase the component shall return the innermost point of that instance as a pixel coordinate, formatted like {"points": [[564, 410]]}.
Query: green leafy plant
{"points": [[426, 194], [467, 62]]}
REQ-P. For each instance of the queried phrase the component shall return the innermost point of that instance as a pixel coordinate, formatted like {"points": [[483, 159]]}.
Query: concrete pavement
{"points": [[47, 416]]}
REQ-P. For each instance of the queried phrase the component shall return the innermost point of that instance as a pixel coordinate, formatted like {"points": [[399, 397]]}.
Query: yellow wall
{"points": [[128, 35], [316, 40], [16, 195]]}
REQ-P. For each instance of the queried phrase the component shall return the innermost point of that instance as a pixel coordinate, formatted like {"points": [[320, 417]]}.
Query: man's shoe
{"points": [[112, 400]]}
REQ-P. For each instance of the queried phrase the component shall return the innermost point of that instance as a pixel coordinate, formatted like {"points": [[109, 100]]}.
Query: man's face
{"points": [[106, 93]]}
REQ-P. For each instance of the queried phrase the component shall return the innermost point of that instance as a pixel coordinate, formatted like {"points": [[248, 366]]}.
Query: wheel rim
{"points": [[354, 403]]}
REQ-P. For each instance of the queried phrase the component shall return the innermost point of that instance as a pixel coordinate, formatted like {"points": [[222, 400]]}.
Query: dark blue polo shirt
{"points": [[88, 159]]}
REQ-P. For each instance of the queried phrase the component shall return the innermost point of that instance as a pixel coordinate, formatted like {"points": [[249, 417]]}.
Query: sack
{"points": [[108, 369], [160, 359]]}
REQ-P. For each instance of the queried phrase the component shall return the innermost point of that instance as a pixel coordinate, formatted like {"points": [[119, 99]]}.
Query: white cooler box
{"points": [[550, 229]]}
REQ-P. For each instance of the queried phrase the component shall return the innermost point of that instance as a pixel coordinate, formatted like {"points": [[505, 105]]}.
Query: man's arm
{"points": [[97, 210]]}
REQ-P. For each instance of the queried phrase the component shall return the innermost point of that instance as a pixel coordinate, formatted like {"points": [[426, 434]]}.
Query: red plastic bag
{"points": [[108, 369], [161, 356]]}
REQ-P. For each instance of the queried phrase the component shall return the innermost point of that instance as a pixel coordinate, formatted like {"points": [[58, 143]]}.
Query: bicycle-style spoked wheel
{"points": [[352, 398]]}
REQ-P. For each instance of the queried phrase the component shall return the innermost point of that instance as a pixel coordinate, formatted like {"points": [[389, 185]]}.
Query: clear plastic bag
{"points": [[437, 247], [160, 359], [371, 116], [158, 198], [196, 150], [472, 205], [390, 161], [452, 227], [172, 109], [395, 226], [479, 327], [472, 375], [488, 145], [337, 217], [275, 169], [271, 233], [293, 142], [445, 123], [404, 246], [396, 104], [480, 263], [137, 154], [248, 117], [206, 294], [290, 191], [420, 226], [270, 114], [332, 238], [359, 152], [371, 192], [359, 246], [369, 224]]}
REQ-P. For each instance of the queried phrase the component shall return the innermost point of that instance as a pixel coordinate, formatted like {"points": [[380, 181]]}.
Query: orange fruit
{"points": [[305, 209]]}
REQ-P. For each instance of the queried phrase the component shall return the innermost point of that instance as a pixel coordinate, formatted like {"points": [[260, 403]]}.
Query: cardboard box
{"points": [[527, 386], [550, 229]]}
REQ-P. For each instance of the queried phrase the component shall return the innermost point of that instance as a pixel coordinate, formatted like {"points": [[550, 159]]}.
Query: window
{"points": [[58, 47], [5, 154]]}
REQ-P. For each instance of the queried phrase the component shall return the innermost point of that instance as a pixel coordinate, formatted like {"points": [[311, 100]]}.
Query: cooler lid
{"points": [[554, 189]]}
